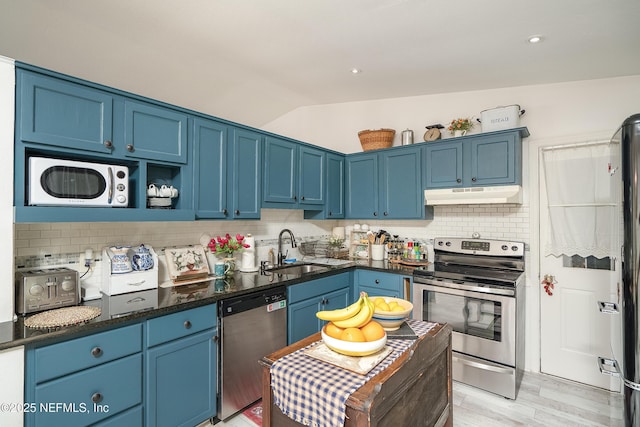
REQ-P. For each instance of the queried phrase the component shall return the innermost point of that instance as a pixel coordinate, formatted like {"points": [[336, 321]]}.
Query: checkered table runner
{"points": [[314, 393]]}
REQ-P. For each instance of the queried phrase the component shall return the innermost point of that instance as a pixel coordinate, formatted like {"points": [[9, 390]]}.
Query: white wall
{"points": [[7, 90], [551, 111]]}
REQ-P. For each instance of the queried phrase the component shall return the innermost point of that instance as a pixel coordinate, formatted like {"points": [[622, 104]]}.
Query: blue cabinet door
{"points": [[302, 320], [401, 184], [443, 165], [280, 170], [245, 170], [311, 185], [335, 187], [209, 145], [63, 114], [362, 195], [181, 381], [493, 159], [155, 133]]}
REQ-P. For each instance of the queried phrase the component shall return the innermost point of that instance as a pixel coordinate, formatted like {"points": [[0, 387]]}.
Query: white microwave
{"points": [[56, 182]]}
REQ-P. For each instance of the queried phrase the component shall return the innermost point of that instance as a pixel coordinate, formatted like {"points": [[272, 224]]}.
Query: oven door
{"points": [[484, 324]]}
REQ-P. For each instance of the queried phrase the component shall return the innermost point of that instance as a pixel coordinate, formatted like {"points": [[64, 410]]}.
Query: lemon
{"points": [[383, 306]]}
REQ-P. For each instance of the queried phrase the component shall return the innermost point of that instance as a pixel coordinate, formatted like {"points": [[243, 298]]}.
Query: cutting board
{"points": [[359, 364]]}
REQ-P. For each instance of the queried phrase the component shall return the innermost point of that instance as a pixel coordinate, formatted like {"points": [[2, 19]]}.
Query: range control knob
{"points": [[36, 290], [514, 248], [440, 243], [68, 285], [505, 247], [448, 243]]}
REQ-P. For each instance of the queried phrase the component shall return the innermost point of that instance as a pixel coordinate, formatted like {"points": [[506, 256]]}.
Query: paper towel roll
{"points": [[248, 262], [338, 232]]}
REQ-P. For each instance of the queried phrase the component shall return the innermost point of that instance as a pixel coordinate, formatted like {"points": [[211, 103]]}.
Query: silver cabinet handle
{"points": [[96, 352], [608, 307], [96, 397], [137, 283], [482, 366]]}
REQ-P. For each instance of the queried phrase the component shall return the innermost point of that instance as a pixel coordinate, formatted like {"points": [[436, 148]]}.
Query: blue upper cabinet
{"points": [[334, 207], [311, 175], [245, 170], [209, 144], [493, 158], [63, 114], [386, 184], [443, 165], [280, 161], [362, 188], [293, 175], [401, 184], [335, 186], [154, 132]]}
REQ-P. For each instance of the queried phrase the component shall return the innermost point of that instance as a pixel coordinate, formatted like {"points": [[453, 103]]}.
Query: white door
{"points": [[574, 329]]}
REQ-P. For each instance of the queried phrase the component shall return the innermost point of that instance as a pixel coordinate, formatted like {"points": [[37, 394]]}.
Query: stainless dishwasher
{"points": [[251, 326]]}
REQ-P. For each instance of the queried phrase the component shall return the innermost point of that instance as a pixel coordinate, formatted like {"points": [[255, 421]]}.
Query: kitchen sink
{"points": [[297, 269]]}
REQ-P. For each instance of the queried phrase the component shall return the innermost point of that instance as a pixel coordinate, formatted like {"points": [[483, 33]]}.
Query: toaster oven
{"points": [[44, 289]]}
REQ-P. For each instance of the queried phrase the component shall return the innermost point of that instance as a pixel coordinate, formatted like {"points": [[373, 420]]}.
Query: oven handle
{"points": [[466, 292], [465, 287], [483, 366]]}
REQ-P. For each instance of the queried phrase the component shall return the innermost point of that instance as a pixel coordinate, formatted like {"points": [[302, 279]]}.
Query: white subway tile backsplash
{"points": [[46, 240]]}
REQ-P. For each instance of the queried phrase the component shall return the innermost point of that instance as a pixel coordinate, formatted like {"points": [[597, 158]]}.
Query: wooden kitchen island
{"points": [[415, 390]]}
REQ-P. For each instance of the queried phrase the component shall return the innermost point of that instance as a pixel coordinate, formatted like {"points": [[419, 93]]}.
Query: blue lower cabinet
{"points": [[181, 368], [181, 381], [377, 283], [90, 395], [84, 380], [306, 299]]}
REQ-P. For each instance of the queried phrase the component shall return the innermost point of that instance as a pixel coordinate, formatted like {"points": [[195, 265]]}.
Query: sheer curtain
{"points": [[583, 199]]}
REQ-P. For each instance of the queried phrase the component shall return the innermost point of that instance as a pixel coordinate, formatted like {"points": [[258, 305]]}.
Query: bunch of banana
{"points": [[354, 316]]}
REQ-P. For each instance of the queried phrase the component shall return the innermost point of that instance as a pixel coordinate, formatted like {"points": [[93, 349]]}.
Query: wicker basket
{"points": [[376, 139]]}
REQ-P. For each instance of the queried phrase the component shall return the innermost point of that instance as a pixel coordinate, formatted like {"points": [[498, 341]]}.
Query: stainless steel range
{"points": [[477, 286]]}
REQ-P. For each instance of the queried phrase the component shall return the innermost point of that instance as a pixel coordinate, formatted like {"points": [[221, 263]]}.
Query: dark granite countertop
{"points": [[173, 299]]}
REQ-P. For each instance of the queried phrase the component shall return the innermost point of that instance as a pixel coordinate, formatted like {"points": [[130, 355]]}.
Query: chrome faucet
{"points": [[281, 257]]}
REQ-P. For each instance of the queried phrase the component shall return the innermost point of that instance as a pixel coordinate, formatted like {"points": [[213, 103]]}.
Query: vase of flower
{"points": [[460, 127], [226, 247]]}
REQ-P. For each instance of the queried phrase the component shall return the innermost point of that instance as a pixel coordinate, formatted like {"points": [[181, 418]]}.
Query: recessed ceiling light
{"points": [[355, 71], [534, 39]]}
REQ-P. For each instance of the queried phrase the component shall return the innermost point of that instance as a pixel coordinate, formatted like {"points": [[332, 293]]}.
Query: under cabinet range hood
{"points": [[474, 195]]}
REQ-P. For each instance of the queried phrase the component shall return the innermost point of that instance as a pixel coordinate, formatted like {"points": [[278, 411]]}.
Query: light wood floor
{"points": [[542, 401]]}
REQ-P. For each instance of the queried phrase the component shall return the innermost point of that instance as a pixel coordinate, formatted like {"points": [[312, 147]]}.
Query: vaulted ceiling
{"points": [[253, 60]]}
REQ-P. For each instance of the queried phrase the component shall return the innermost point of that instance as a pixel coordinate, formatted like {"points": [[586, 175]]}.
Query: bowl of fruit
{"points": [[351, 330], [391, 312]]}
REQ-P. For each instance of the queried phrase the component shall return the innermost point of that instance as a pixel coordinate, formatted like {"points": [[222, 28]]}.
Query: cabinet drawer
{"points": [[378, 280], [70, 356], [181, 324], [90, 395], [317, 287]]}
